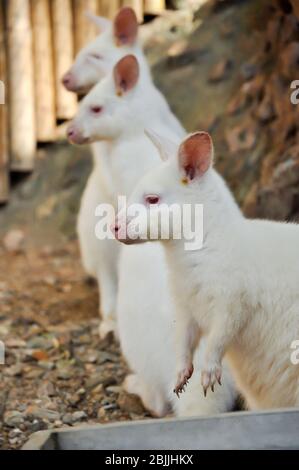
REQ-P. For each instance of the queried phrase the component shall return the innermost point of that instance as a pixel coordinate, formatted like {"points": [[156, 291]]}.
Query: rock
{"points": [[94, 381], [13, 419], [74, 400], [37, 425], [102, 414], [65, 370], [14, 240], [46, 389], [79, 416], [130, 403], [14, 371], [114, 389], [43, 414], [47, 365], [15, 433], [41, 343], [15, 343], [40, 355], [68, 419]]}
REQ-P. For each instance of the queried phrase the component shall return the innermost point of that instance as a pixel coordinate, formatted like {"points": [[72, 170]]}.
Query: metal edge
{"points": [[45, 440]]}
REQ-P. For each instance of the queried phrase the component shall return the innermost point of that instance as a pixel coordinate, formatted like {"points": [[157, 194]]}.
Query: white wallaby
{"points": [[93, 63], [117, 110], [239, 292]]}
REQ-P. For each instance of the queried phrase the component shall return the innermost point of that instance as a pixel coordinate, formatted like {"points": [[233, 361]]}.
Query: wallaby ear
{"points": [[126, 74], [166, 148], [196, 155], [125, 27], [102, 23]]}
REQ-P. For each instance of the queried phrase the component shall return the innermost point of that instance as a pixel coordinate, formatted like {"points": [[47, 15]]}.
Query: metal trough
{"points": [[240, 431]]}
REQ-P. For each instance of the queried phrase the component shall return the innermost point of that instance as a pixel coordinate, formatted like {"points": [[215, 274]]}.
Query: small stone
{"points": [[74, 400], [13, 419], [14, 371], [15, 343], [47, 365], [40, 355], [102, 413], [68, 419], [65, 374], [43, 414], [13, 241], [15, 433], [37, 425], [94, 381], [40, 343], [114, 389], [34, 373], [79, 416], [46, 389], [130, 404]]}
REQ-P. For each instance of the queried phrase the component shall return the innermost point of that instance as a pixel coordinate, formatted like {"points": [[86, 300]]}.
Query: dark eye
{"points": [[152, 199], [96, 56], [96, 109]]}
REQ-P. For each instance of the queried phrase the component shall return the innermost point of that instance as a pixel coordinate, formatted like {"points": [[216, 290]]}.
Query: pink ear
{"points": [[126, 74], [196, 154], [125, 27]]}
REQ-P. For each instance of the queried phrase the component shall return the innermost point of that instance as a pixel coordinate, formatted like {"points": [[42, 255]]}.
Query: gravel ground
{"points": [[57, 371]]}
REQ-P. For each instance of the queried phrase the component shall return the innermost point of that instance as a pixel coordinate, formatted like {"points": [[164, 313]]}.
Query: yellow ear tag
{"points": [[184, 181], [119, 92]]}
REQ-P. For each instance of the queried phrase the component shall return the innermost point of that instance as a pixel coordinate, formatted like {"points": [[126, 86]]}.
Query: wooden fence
{"points": [[38, 42]]}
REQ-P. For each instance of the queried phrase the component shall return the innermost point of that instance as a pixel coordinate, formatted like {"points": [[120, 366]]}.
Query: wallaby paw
{"points": [[107, 327], [210, 376], [183, 380]]}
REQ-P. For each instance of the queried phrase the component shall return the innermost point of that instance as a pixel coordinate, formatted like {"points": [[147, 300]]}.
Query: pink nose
{"points": [[71, 133], [67, 81], [74, 135]]}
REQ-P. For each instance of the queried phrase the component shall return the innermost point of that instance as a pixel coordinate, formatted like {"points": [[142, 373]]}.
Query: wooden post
{"points": [[21, 86], [109, 8], [44, 72], [66, 103], [85, 31], [137, 6], [154, 7], [4, 170]]}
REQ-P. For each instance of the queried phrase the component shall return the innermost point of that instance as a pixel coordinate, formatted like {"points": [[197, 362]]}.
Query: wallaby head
{"points": [[109, 109], [116, 39], [184, 177]]}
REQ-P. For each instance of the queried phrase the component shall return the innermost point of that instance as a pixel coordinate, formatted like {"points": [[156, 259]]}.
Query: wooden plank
{"points": [[85, 31], [62, 17], [43, 71], [154, 7], [137, 6], [4, 170], [109, 8], [21, 86]]}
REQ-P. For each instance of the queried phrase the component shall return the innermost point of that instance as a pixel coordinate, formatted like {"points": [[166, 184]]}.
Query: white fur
{"points": [[100, 258], [240, 291], [129, 156]]}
